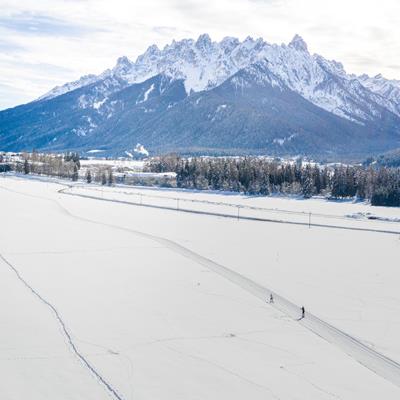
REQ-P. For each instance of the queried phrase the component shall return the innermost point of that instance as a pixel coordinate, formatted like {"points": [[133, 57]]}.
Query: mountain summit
{"points": [[250, 96], [298, 43]]}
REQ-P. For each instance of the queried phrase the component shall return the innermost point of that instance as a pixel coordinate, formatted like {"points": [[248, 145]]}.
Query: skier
{"points": [[303, 312], [271, 298]]}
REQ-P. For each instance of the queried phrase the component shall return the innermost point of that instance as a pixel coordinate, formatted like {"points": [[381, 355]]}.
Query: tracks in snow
{"points": [[66, 332], [371, 359], [225, 215]]}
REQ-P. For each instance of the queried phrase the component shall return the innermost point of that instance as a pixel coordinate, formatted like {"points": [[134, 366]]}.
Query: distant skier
{"points": [[303, 312], [271, 298]]}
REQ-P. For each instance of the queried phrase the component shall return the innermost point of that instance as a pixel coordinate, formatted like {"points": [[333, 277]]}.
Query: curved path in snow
{"points": [[234, 206], [65, 331], [373, 360], [225, 215]]}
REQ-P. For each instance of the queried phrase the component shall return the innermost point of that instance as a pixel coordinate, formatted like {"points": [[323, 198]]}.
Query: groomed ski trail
{"points": [[231, 216], [371, 359]]}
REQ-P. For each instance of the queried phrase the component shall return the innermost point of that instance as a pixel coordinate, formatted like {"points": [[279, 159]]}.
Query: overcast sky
{"points": [[44, 43]]}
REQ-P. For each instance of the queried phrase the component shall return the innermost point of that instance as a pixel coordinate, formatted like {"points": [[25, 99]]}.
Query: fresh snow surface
{"points": [[296, 209], [136, 165], [155, 323]]}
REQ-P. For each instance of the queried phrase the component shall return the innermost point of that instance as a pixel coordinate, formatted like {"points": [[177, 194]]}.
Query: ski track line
{"points": [[216, 214], [125, 191], [233, 205], [66, 332], [369, 358]]}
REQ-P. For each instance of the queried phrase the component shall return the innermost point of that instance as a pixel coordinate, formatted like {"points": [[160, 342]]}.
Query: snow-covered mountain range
{"points": [[202, 66]]}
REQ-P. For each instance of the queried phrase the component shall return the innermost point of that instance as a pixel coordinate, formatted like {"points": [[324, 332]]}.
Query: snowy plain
{"points": [[156, 324], [134, 165], [346, 213]]}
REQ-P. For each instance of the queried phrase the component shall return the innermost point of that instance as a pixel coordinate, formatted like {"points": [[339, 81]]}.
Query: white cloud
{"points": [[78, 37]]}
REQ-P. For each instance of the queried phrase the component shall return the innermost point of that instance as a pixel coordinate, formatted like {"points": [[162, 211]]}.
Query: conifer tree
{"points": [[75, 174], [103, 179], [110, 178], [26, 167], [88, 176], [308, 187]]}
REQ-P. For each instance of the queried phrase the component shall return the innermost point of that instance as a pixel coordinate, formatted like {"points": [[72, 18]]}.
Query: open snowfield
{"points": [[297, 204], [135, 165], [346, 213], [105, 302]]}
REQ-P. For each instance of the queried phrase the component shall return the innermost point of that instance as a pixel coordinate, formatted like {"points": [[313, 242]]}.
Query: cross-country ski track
{"points": [[373, 360], [113, 392], [393, 231]]}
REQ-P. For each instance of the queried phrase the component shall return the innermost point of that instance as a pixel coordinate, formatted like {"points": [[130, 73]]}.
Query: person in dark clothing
{"points": [[303, 312], [271, 298]]}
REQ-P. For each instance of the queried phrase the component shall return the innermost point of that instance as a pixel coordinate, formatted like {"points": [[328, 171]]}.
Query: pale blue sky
{"points": [[44, 43]]}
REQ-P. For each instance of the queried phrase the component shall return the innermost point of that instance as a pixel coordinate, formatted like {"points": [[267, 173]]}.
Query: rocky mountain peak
{"points": [[298, 43]]}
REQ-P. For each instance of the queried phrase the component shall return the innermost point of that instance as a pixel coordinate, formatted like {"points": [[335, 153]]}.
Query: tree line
{"points": [[65, 166], [255, 175]]}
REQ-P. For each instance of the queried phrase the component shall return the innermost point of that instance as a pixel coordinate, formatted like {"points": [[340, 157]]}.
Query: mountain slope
{"points": [[204, 96], [256, 112], [204, 64], [388, 89], [70, 120]]}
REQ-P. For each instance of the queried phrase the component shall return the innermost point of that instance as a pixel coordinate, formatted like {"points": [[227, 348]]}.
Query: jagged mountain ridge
{"points": [[387, 88], [204, 64], [252, 96]]}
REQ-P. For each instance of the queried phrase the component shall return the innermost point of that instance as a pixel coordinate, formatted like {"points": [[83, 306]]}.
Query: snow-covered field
{"points": [[149, 321], [359, 215], [135, 165]]}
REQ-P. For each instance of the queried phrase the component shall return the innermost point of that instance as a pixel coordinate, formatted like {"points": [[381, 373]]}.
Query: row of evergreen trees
{"points": [[253, 175], [101, 175], [256, 175]]}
